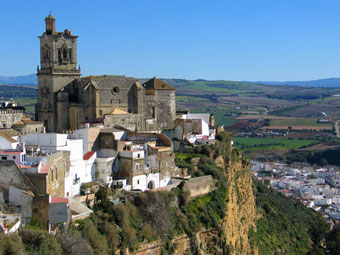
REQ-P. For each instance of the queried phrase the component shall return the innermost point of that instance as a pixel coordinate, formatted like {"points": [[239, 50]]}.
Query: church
{"points": [[67, 101]]}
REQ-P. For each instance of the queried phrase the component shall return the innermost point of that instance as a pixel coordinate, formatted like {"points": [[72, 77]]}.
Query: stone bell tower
{"points": [[58, 67]]}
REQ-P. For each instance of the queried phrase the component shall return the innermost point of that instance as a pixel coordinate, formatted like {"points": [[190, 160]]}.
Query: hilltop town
{"points": [[87, 133], [111, 164]]}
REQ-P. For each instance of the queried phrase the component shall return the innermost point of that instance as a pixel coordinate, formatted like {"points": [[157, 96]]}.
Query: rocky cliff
{"points": [[232, 235], [241, 210]]}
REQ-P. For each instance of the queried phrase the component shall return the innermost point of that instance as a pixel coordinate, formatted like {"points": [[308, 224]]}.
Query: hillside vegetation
{"points": [[286, 226], [283, 226]]}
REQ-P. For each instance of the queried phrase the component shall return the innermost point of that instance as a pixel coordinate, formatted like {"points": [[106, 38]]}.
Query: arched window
{"points": [[59, 56], [70, 54], [64, 53]]}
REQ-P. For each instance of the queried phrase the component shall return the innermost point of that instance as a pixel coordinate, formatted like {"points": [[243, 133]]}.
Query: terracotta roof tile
{"points": [[44, 169], [157, 84], [88, 155], [5, 135], [59, 200]]}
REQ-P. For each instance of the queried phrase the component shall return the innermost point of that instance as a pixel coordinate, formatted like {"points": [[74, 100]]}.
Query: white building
{"points": [[82, 167]]}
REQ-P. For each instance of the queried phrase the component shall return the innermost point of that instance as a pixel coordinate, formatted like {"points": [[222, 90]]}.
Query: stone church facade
{"points": [[67, 101]]}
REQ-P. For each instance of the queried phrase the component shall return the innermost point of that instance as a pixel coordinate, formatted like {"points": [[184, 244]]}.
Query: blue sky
{"points": [[191, 39]]}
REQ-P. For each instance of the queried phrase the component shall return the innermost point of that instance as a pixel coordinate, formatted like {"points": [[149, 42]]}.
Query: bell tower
{"points": [[58, 67], [50, 24]]}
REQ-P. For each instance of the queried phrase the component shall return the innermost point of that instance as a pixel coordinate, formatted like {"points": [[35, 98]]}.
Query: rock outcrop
{"points": [[232, 236]]}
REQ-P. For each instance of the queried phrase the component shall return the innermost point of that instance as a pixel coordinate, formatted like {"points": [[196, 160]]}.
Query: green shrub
{"points": [[10, 244], [97, 241]]}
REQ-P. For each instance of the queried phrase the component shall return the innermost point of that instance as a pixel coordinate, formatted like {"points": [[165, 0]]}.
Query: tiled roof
{"points": [[44, 169], [88, 155], [25, 122], [11, 152], [157, 84], [5, 135], [59, 200]]}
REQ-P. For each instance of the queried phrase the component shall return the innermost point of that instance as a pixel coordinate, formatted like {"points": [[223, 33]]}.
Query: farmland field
{"points": [[269, 143], [191, 99], [27, 102], [297, 122]]}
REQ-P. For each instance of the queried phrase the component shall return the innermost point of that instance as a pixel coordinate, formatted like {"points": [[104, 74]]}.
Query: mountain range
{"points": [[24, 80], [32, 80]]}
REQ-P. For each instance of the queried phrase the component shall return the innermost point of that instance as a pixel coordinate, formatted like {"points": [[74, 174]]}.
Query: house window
{"points": [[138, 155], [137, 166], [153, 112], [137, 181], [100, 112], [14, 157], [4, 157]]}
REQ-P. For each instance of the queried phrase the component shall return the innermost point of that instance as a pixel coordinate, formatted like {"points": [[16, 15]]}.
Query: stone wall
{"points": [[59, 167], [10, 174], [199, 186], [7, 119], [129, 121]]}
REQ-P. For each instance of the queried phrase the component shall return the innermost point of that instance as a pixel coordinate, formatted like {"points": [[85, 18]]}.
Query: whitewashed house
{"points": [[82, 167]]}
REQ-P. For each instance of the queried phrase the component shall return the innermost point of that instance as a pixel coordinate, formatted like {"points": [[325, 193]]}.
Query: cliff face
{"points": [[232, 237], [241, 211]]}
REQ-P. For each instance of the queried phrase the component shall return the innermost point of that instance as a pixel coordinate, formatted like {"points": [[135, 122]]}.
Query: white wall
{"points": [[53, 142], [197, 116], [16, 157], [139, 182], [83, 134], [50, 142], [7, 145], [119, 135], [90, 168], [205, 128], [75, 146], [154, 178], [165, 182]]}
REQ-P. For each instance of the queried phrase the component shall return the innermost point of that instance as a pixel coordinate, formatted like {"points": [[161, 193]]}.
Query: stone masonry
{"points": [[67, 102]]}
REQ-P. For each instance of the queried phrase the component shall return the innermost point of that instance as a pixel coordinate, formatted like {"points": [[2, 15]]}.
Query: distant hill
{"points": [[32, 80], [24, 80], [330, 83]]}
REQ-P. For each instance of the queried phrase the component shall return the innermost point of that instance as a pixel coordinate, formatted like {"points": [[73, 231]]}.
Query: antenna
{"points": [[51, 8]]}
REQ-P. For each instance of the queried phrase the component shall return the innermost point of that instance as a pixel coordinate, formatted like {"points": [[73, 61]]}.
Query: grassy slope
{"points": [[285, 226]]}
